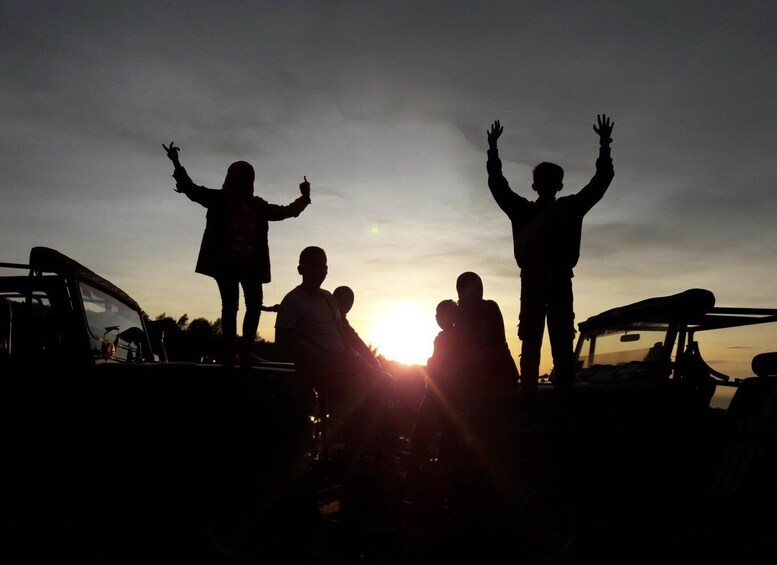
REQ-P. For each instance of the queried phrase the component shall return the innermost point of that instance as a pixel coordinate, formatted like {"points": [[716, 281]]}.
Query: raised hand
{"points": [[493, 134], [304, 187], [172, 152], [604, 128]]}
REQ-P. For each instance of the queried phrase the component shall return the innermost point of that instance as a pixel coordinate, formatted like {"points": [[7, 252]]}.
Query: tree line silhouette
{"points": [[199, 340]]}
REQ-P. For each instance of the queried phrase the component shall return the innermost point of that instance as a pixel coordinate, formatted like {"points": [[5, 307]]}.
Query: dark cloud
{"points": [[384, 105]]}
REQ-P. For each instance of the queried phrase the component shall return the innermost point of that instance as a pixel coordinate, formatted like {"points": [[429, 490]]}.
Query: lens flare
{"points": [[405, 333]]}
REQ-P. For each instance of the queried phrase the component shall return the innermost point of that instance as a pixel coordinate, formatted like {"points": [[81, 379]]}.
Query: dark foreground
{"points": [[612, 485], [618, 474], [110, 455]]}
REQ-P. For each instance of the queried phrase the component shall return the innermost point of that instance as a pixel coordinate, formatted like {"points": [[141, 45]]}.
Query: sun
{"points": [[405, 333]]}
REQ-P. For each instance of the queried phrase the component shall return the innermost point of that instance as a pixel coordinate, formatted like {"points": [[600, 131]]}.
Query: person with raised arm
{"points": [[234, 248], [546, 245]]}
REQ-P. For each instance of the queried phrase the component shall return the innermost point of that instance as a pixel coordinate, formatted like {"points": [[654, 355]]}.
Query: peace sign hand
{"points": [[172, 151]]}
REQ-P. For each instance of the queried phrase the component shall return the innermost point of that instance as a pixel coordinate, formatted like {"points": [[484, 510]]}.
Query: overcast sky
{"points": [[384, 106]]}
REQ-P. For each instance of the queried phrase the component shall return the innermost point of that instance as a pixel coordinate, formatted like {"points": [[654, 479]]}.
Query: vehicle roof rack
{"points": [[691, 304], [694, 307]]}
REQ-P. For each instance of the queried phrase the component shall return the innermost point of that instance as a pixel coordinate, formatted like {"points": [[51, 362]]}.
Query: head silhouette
{"points": [[469, 287], [446, 314], [548, 179], [239, 182], [344, 298], [312, 266]]}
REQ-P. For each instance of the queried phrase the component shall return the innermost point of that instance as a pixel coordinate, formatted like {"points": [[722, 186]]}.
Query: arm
{"points": [[179, 173], [497, 183], [184, 183], [604, 174], [357, 344], [275, 212], [495, 326]]}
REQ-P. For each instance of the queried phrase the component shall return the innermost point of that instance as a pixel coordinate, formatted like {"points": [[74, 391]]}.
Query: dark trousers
{"points": [[229, 287], [544, 298]]}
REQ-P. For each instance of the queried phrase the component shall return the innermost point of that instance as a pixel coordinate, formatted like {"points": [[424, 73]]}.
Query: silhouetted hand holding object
{"points": [[178, 172], [273, 308], [304, 188], [493, 135], [172, 154], [604, 129]]}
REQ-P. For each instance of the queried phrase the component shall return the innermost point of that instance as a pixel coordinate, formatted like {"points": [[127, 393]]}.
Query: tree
{"points": [[201, 340]]}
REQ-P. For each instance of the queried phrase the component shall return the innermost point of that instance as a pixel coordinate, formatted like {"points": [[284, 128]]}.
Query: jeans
{"points": [[229, 285]]}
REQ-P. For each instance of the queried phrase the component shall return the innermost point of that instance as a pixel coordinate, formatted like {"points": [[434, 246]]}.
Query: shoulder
{"points": [[289, 310], [522, 203], [212, 194], [570, 200], [581, 202], [348, 328], [294, 291], [332, 302], [493, 309], [291, 296]]}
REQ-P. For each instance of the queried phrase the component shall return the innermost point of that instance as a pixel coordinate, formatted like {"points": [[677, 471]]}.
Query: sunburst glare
{"points": [[405, 333]]}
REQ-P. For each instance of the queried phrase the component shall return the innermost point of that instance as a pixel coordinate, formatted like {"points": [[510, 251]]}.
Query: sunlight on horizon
{"points": [[405, 333]]}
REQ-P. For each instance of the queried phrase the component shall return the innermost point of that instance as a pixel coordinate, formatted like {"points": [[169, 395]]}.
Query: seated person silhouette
{"points": [[654, 353], [437, 412], [344, 297], [308, 327], [487, 370], [489, 363]]}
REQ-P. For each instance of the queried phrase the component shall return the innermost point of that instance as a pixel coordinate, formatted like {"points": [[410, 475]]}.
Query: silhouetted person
{"points": [[308, 327], [654, 353], [546, 245], [344, 297], [234, 248], [480, 324], [437, 411]]}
